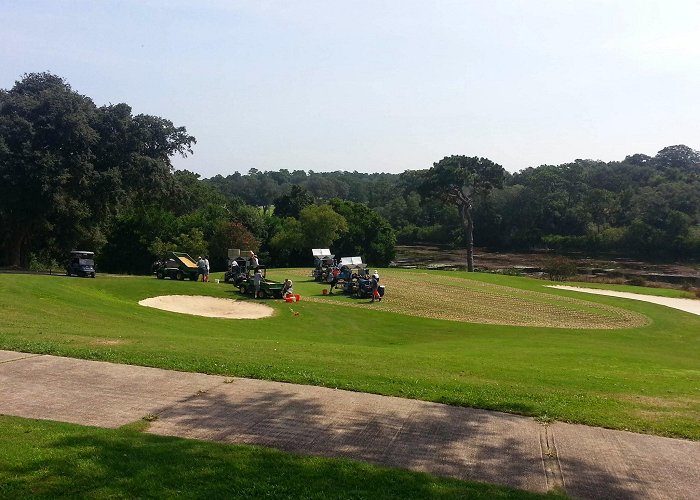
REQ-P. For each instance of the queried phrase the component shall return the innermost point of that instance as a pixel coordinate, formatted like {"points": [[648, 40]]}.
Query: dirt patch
{"points": [[108, 342], [211, 307], [533, 263], [658, 402], [423, 255]]}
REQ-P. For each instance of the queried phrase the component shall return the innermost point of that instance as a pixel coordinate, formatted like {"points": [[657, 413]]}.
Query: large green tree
{"points": [[67, 165], [369, 234], [318, 226], [46, 142], [459, 180], [679, 156], [291, 204]]}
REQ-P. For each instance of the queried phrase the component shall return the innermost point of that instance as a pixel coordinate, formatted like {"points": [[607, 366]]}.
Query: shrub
{"points": [[565, 243], [637, 281], [558, 268], [412, 235], [42, 261]]}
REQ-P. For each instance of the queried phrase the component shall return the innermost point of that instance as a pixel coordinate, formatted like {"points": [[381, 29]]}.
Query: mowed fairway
{"points": [[481, 340]]}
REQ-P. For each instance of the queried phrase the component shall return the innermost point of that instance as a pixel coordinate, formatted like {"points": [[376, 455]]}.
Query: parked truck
{"points": [[177, 266]]}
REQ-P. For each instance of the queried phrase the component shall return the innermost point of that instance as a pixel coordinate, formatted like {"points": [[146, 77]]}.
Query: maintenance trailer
{"points": [[177, 266]]}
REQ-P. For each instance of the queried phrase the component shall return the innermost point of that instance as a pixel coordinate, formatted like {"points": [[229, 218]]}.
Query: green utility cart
{"points": [[177, 266], [268, 289]]}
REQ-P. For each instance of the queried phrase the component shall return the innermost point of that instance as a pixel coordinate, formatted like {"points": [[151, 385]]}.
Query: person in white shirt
{"points": [[287, 288], [201, 266], [257, 279]]}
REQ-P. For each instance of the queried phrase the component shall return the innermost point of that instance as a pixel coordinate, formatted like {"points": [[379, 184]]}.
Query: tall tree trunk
{"points": [[468, 224], [17, 248]]}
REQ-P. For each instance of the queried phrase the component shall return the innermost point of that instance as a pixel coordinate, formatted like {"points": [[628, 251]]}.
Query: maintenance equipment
{"points": [[177, 266], [240, 266], [323, 261], [268, 288]]}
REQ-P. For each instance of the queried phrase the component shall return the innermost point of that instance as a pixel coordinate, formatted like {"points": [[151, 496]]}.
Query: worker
{"points": [[374, 283], [201, 266], [257, 279], [287, 288], [345, 273], [254, 262], [333, 279]]}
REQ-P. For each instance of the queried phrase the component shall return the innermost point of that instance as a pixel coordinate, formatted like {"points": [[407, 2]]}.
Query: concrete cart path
{"points": [[457, 442]]}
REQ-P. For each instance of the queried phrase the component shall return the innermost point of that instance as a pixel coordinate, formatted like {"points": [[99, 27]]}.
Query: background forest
{"points": [[80, 176]]}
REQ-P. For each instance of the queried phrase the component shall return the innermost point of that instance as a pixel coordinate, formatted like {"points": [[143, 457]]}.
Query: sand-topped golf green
{"points": [[458, 298]]}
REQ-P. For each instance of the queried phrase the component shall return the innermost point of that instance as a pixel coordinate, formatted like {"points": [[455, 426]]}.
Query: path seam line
{"points": [[550, 460], [20, 359]]}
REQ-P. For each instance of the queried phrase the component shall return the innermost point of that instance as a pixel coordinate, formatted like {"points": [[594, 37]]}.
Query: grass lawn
{"points": [[527, 350], [42, 459]]}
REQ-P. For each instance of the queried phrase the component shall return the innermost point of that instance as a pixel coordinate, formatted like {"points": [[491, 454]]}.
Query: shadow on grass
{"points": [[453, 442], [52, 459]]}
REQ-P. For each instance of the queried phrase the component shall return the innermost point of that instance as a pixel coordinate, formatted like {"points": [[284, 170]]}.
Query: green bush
{"points": [[42, 262], [559, 268], [411, 235], [637, 281], [566, 243]]}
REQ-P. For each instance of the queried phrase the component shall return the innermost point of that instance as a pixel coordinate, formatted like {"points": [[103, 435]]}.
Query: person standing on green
{"points": [[374, 283], [206, 269], [201, 267], [257, 279]]}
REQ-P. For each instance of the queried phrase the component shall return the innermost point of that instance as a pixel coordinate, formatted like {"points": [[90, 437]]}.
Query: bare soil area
{"points": [[534, 262], [211, 307]]}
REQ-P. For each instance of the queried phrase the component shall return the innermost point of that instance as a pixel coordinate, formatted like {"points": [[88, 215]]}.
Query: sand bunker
{"points": [[211, 307], [688, 305]]}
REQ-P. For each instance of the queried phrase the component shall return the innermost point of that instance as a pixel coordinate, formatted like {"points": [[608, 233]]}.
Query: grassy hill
{"points": [[481, 340]]}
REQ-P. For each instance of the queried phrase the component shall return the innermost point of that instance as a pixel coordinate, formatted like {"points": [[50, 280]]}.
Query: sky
{"points": [[380, 85]]}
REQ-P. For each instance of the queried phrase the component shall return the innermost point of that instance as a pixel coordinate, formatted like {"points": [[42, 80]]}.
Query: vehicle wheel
{"points": [[67, 272], [263, 294], [179, 276], [160, 275], [92, 275], [242, 290]]}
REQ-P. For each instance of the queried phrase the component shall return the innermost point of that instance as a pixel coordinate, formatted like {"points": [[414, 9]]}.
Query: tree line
{"points": [[642, 206], [76, 175]]}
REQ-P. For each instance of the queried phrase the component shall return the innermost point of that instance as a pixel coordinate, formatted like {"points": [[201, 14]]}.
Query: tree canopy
{"points": [[459, 180], [101, 178], [66, 164]]}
